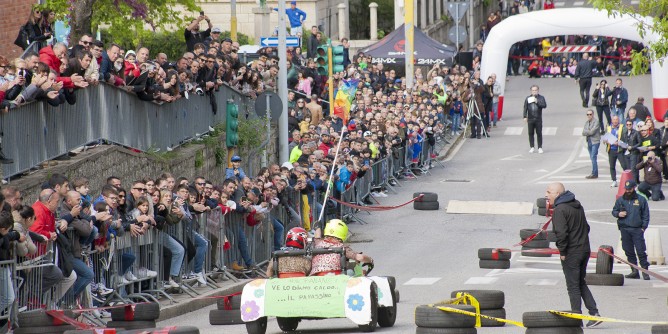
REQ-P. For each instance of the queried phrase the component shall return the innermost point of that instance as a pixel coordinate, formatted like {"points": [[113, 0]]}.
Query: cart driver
{"points": [[336, 232], [292, 266]]}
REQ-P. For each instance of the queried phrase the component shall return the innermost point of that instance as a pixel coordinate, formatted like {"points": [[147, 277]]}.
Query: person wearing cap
{"points": [[632, 213], [235, 172], [592, 132], [569, 224], [651, 186], [192, 33], [214, 37], [296, 17]]}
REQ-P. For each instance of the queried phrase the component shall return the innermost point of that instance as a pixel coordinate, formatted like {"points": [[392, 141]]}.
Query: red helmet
{"points": [[296, 238]]}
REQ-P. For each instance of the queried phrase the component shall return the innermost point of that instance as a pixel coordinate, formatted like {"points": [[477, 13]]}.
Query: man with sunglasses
{"points": [[592, 132]]}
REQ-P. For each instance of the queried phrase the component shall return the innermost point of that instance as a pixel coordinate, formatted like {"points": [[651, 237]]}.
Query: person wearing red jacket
{"points": [[45, 225]]}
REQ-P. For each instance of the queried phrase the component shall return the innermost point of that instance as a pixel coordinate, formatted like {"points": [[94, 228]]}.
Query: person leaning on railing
{"points": [[167, 214]]}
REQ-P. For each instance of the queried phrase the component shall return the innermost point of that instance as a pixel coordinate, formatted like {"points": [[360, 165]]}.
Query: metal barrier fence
{"points": [[141, 267], [106, 112]]}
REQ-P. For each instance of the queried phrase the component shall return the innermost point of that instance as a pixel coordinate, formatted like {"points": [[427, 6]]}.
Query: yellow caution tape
{"points": [[478, 316], [604, 319]]}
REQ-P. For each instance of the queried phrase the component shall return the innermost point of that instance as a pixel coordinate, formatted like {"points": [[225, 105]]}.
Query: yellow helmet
{"points": [[337, 228]]}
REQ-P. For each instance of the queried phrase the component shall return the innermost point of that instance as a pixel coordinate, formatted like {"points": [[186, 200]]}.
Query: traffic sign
{"points": [[457, 34], [457, 10], [275, 105], [273, 41]]}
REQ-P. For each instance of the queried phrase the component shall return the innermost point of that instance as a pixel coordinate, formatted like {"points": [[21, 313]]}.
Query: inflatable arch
{"points": [[568, 21]]}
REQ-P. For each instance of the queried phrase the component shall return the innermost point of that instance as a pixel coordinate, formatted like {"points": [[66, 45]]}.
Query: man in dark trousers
{"points": [[651, 186], [632, 213], [583, 74], [570, 226], [533, 115]]}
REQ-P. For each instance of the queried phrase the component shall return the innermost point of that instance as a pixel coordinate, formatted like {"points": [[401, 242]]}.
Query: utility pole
{"points": [[284, 153], [410, 43]]}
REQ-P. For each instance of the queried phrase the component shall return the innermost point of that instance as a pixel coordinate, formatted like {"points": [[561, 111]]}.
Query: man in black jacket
{"points": [[583, 74], [632, 213], [533, 115], [570, 226]]}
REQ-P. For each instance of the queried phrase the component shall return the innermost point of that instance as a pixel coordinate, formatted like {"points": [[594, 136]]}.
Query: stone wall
{"points": [[98, 163], [15, 14]]}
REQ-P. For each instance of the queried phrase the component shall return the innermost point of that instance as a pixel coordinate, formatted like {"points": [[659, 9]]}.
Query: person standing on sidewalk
{"points": [[533, 116], [632, 213], [615, 152], [582, 75], [570, 226], [592, 132]]}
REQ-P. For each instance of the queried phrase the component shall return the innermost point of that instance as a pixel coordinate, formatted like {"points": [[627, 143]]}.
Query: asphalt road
{"points": [[432, 253]]}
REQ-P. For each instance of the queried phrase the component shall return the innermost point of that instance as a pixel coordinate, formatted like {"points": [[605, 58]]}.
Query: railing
{"points": [[38, 132], [153, 257]]}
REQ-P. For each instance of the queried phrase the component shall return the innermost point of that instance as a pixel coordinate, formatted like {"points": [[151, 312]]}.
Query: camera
{"points": [[199, 91]]}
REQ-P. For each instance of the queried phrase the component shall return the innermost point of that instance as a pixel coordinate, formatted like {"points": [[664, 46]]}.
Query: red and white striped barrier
{"points": [[572, 49]]}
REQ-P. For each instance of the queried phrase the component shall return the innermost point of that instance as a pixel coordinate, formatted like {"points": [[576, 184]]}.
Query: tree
{"points": [[123, 17], [656, 9]]}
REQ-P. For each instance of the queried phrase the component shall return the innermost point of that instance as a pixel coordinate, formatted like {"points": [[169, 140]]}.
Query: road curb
{"points": [[451, 148], [185, 306]]}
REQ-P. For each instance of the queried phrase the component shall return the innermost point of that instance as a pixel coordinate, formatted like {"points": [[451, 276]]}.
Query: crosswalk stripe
{"points": [[542, 281], [559, 4], [422, 281], [578, 3], [513, 131], [481, 280], [549, 131]]}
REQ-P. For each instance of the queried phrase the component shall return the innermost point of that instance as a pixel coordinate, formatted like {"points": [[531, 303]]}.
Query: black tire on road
{"points": [[288, 324], [131, 324], [44, 330], [39, 318], [528, 251], [427, 330], [493, 264], [487, 299], [387, 316], [397, 296], [496, 313], [491, 253], [258, 326], [371, 327], [541, 319], [551, 236], [659, 329], [225, 317], [527, 232], [541, 202], [235, 303], [604, 261], [607, 279], [142, 312], [537, 244], [428, 197], [428, 316], [427, 206], [555, 330]]}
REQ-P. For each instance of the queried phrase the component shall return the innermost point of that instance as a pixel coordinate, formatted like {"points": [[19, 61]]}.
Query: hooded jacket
{"points": [[637, 212], [570, 225]]}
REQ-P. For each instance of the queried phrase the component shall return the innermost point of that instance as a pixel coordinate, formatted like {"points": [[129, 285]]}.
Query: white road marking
{"points": [[599, 180], [517, 157], [543, 281], [422, 281], [578, 3], [577, 131], [549, 131], [584, 152], [513, 131], [564, 165], [559, 4], [481, 280], [568, 177], [635, 2], [542, 171], [660, 285], [490, 207]]}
